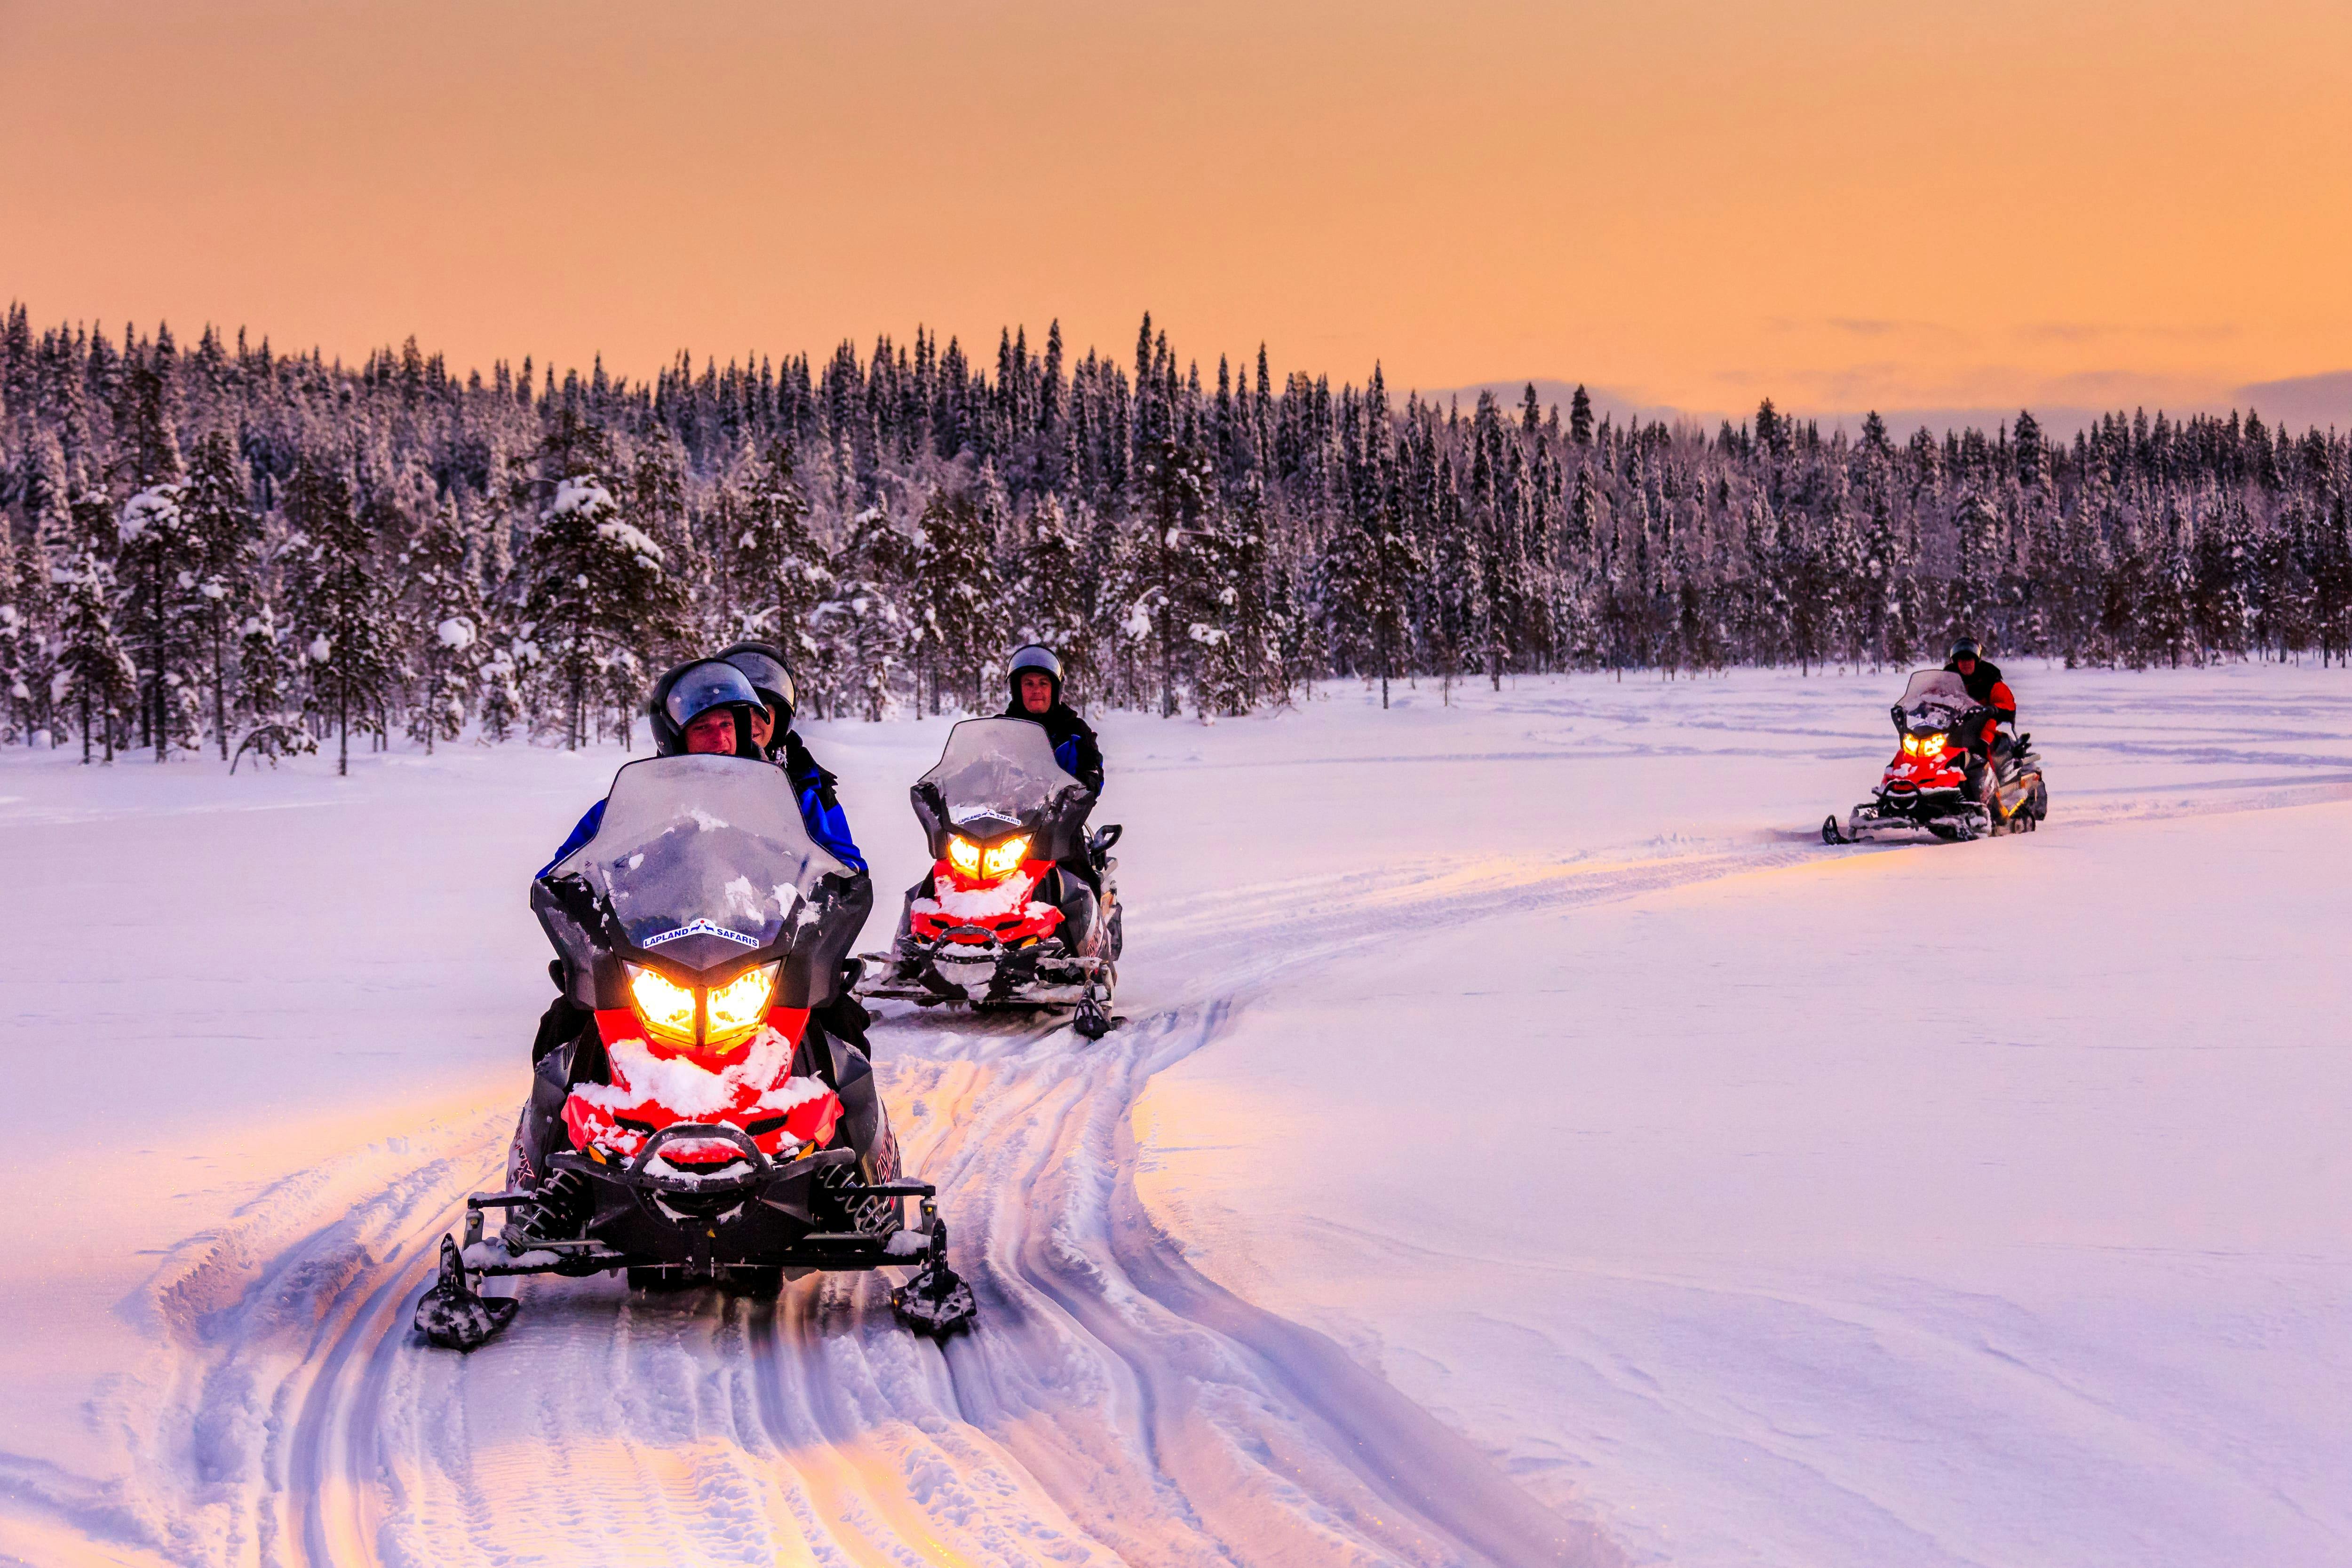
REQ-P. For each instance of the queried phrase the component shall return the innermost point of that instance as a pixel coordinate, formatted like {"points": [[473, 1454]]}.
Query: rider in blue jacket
{"points": [[773, 732], [762, 696]]}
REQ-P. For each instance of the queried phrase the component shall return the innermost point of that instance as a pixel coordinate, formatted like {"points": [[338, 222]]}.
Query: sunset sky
{"points": [[1689, 203]]}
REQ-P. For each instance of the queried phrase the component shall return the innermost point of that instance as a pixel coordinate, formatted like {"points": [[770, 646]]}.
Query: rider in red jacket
{"points": [[1982, 678]]}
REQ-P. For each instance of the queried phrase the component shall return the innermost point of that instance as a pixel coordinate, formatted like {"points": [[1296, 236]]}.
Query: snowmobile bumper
{"points": [[750, 1213], [1913, 817], [986, 974]]}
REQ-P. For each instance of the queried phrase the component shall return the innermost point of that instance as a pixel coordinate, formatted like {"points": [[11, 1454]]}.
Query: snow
{"points": [[631, 537], [155, 507], [577, 495], [1527, 1143]]}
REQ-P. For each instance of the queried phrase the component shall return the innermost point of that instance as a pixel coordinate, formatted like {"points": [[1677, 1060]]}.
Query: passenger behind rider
{"points": [[1997, 736], [772, 733]]}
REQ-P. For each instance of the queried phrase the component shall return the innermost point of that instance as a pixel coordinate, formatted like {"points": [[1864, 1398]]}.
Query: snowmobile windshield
{"points": [[701, 862], [1933, 700], [998, 774]]}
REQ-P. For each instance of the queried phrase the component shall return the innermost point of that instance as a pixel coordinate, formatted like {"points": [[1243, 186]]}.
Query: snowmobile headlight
{"points": [[1910, 744], [738, 1008], [665, 1007], [963, 854], [1001, 859], [1933, 745]]}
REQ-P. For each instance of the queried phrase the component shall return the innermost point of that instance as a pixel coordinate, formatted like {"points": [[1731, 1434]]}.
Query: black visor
{"points": [[765, 673], [700, 688]]}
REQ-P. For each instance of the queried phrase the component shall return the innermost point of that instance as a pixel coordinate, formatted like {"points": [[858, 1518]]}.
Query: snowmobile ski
{"points": [[453, 1315], [936, 1301]]}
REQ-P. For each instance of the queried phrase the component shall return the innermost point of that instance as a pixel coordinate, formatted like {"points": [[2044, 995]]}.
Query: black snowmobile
{"points": [[1021, 908], [706, 1129]]}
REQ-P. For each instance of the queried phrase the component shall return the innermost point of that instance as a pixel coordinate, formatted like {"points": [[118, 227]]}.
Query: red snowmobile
{"points": [[705, 1130], [1937, 788], [1021, 908]]}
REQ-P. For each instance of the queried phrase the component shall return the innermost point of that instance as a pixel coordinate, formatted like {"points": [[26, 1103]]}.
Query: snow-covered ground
{"points": [[1528, 1144]]}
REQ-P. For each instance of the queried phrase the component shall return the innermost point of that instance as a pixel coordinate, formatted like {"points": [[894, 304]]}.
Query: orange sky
{"points": [[1690, 202]]}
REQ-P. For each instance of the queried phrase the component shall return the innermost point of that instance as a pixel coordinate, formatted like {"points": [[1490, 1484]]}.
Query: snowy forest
{"points": [[224, 549]]}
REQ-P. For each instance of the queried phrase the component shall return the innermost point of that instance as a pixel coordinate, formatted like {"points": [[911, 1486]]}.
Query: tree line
{"points": [[224, 547]]}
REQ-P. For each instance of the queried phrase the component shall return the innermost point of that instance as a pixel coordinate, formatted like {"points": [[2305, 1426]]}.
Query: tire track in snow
{"points": [[1114, 1407]]}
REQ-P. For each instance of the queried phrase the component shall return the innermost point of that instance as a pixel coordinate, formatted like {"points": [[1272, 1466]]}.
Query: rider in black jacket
{"points": [[1034, 677]]}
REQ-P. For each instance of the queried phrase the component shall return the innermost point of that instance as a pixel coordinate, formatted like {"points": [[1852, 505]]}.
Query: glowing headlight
{"points": [[963, 854], [667, 1007], [1932, 746], [1004, 858], [738, 1008], [1910, 744]]}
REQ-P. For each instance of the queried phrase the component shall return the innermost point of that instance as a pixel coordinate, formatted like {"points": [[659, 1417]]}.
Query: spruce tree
{"points": [[94, 668], [779, 568], [596, 588], [957, 602], [439, 598], [862, 633], [224, 534], [343, 615]]}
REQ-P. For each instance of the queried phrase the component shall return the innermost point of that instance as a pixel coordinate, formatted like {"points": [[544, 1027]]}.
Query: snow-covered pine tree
{"points": [[1389, 553], [439, 598], [596, 587], [1259, 625], [267, 673], [344, 614], [95, 676], [957, 603], [1048, 594], [225, 534], [862, 631], [778, 568], [161, 556], [17, 636]]}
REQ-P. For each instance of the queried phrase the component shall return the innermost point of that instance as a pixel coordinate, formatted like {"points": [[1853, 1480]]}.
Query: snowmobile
{"points": [[1021, 908], [1937, 789], [702, 1130]]}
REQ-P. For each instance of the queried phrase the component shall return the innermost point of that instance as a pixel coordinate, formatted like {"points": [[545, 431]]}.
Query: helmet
{"points": [[764, 667], [1965, 648], [1036, 657], [693, 689]]}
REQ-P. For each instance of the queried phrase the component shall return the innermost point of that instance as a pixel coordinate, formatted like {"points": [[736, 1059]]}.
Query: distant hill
{"points": [[2323, 401]]}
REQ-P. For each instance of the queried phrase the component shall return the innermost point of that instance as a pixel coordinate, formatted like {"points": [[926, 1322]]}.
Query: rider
{"points": [[772, 729], [1034, 676], [1981, 676]]}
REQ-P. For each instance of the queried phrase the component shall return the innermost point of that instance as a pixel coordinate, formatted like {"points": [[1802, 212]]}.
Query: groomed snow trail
{"points": [[1114, 1407], [261, 1399]]}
